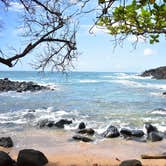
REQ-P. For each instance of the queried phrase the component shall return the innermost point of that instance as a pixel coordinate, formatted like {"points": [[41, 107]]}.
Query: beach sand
{"points": [[62, 151]]}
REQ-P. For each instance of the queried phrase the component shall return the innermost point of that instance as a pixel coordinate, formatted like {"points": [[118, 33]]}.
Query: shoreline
{"points": [[61, 151]]}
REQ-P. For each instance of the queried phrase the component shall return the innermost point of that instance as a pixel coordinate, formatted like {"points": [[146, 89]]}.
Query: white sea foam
{"points": [[127, 76], [160, 127], [157, 94], [89, 81], [159, 112], [140, 85]]}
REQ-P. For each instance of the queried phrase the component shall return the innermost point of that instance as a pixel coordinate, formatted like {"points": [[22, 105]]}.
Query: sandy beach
{"points": [[62, 151]]}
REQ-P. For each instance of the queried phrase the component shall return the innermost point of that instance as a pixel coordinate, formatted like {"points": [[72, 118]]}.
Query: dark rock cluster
{"points": [[60, 124], [157, 73], [8, 85], [26, 157], [152, 134]]}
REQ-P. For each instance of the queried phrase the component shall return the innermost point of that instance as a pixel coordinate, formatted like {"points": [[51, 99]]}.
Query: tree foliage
{"points": [[145, 18], [50, 27]]}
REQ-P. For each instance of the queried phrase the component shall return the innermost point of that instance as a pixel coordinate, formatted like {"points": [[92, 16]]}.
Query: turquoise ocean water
{"points": [[99, 99]]}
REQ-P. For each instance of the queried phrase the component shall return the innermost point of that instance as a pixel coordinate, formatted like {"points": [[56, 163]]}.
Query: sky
{"points": [[97, 52]]}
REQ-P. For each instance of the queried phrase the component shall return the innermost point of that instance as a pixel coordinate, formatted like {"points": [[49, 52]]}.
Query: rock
{"points": [[62, 122], [5, 159], [126, 132], [164, 93], [31, 110], [137, 133], [82, 138], [111, 132], [6, 142], [157, 73], [131, 163], [89, 131], [31, 157], [160, 109], [43, 123], [7, 85], [48, 123], [82, 125], [154, 136], [150, 128]]}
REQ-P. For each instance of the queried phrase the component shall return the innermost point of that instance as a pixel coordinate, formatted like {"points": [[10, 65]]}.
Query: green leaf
{"points": [[101, 1]]}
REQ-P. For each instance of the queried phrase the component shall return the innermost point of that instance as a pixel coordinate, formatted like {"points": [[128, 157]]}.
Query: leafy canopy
{"points": [[137, 17]]}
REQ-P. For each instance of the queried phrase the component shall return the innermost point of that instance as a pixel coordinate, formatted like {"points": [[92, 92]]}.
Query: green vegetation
{"points": [[145, 17]]}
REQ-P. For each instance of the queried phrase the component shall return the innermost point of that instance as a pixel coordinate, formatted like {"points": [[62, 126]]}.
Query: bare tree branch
{"points": [[49, 26]]}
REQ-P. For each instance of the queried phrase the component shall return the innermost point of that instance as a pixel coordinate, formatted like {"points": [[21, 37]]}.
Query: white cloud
{"points": [[15, 6], [149, 52]]}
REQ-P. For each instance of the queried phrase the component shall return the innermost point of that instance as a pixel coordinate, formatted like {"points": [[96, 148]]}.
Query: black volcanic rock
{"points": [[126, 132], [61, 123], [82, 125], [82, 138], [154, 136], [137, 133], [88, 131], [6, 142], [31, 157], [49, 123], [131, 163], [157, 73], [111, 132], [7, 85], [5, 159], [164, 93], [150, 128]]}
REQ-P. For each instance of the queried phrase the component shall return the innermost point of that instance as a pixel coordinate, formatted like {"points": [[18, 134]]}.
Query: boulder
{"points": [[6, 142], [5, 159], [137, 133], [131, 163], [45, 123], [49, 123], [31, 157], [126, 132], [154, 136], [150, 128], [82, 138], [157, 73], [61, 123], [111, 132], [82, 125], [89, 131]]}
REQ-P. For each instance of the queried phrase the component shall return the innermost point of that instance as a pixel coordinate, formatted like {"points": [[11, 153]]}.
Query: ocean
{"points": [[99, 99]]}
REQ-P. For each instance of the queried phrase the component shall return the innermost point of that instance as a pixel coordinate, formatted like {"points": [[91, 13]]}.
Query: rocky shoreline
{"points": [[157, 73], [88, 134], [8, 85], [33, 157]]}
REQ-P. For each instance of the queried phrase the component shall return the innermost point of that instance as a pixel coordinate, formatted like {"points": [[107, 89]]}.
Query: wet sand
{"points": [[62, 151]]}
